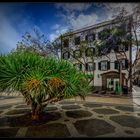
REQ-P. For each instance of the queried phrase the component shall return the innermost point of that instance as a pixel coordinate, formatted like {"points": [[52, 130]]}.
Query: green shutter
{"points": [[126, 47], [108, 65], [68, 54], [116, 65], [99, 66], [94, 66], [80, 66], [86, 38], [126, 64], [86, 66], [116, 49]]}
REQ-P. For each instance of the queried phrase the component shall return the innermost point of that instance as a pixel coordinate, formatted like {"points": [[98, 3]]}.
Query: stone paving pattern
{"points": [[73, 119]]}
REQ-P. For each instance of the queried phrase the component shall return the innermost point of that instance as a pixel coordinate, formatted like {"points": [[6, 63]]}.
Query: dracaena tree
{"points": [[40, 80]]}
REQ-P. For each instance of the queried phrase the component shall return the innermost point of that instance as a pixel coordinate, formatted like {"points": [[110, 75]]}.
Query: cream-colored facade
{"points": [[102, 77]]}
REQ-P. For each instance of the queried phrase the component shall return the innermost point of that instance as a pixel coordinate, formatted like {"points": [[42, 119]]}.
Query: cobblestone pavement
{"points": [[72, 118]]}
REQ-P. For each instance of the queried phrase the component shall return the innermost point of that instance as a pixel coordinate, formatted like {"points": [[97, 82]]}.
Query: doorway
{"points": [[112, 83]]}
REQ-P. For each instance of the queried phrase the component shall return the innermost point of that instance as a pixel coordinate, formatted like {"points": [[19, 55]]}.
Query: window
{"points": [[78, 66], [90, 37], [66, 43], [77, 54], [123, 62], [66, 55], [77, 40], [90, 66], [121, 48], [104, 34], [90, 52], [104, 65]]}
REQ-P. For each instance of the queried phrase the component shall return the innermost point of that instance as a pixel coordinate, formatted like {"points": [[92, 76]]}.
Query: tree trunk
{"points": [[35, 115]]}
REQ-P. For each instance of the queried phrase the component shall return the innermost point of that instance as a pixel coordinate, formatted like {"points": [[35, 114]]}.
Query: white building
{"points": [[105, 68], [136, 70]]}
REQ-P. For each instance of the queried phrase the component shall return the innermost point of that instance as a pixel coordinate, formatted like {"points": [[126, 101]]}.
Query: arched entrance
{"points": [[111, 79]]}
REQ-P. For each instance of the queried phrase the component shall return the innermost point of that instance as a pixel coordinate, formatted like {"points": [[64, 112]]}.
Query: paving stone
{"points": [[125, 108], [5, 107], [93, 127], [100, 116], [22, 106], [66, 102], [49, 130], [8, 132], [52, 108], [68, 107], [105, 111], [128, 121], [92, 105], [78, 114], [1, 111], [138, 114], [129, 132], [25, 120], [4, 121], [19, 111]]}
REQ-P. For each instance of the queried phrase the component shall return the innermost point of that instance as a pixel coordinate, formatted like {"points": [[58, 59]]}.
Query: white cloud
{"points": [[114, 8], [57, 33], [69, 7], [83, 20], [55, 27], [8, 35]]}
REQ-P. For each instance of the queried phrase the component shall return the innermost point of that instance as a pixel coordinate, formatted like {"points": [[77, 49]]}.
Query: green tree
{"points": [[40, 80]]}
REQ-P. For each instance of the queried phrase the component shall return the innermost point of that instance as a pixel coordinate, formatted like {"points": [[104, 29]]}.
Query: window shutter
{"points": [[94, 66], [99, 66], [116, 49], [77, 40], [86, 66], [116, 65], [86, 52], [126, 64], [68, 54], [80, 66], [108, 65], [109, 50], [94, 51], [93, 37], [86, 38], [126, 47], [66, 43]]}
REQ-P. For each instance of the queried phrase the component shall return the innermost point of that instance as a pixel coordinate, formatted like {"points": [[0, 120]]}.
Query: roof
{"points": [[95, 26]]}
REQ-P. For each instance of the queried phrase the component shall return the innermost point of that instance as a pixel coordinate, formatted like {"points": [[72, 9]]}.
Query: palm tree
{"points": [[40, 80]]}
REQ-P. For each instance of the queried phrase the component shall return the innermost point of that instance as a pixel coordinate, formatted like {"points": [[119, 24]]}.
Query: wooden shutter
{"points": [[108, 65], [86, 66], [94, 51], [116, 49], [86, 52], [77, 40], [94, 66], [116, 65], [68, 54], [99, 66], [80, 66], [86, 38], [66, 43], [126, 47], [126, 64]]}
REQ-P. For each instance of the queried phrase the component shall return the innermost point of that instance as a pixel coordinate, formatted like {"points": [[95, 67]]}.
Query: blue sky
{"points": [[51, 19]]}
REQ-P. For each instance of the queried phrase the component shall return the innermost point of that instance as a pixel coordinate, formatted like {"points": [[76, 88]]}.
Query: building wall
{"points": [[111, 55]]}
